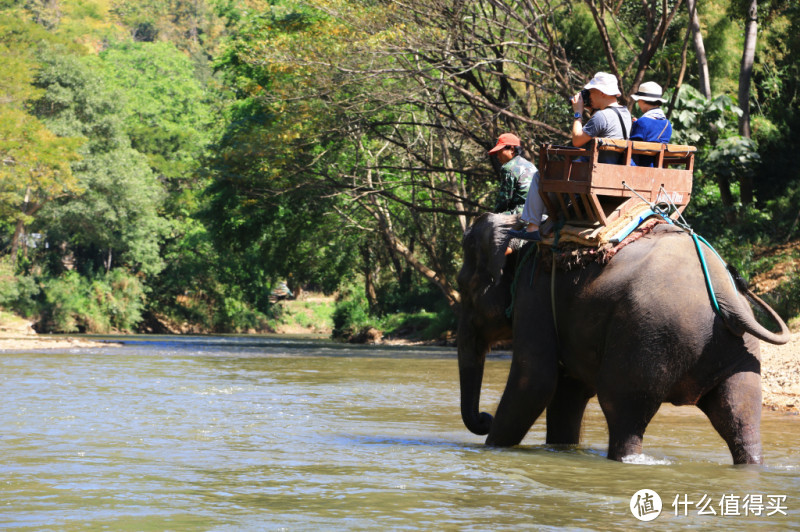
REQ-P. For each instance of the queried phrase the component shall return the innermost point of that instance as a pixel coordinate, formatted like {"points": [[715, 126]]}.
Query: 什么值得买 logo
{"points": [[645, 505]]}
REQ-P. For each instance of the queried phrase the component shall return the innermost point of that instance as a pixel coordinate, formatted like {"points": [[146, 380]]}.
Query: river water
{"points": [[277, 433]]}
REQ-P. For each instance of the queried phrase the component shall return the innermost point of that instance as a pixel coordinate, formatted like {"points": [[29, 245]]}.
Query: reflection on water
{"points": [[218, 433]]}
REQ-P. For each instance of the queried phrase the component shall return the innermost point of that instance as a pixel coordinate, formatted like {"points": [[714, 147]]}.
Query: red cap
{"points": [[506, 139]]}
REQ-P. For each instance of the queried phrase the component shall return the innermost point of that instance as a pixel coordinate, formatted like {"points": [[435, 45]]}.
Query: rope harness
{"points": [[534, 250], [554, 248], [662, 209], [521, 260], [681, 223]]}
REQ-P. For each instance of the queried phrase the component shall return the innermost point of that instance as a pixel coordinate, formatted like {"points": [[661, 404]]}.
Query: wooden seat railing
{"points": [[575, 183]]}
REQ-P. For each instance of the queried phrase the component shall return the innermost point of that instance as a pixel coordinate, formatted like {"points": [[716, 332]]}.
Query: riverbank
{"points": [[17, 334], [24, 343]]}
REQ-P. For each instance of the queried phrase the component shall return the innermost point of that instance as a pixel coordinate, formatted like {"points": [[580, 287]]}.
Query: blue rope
{"points": [[707, 276], [704, 241], [664, 213]]}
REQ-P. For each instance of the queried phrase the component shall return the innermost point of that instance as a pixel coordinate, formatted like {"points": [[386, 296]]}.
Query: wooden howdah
{"points": [[589, 192]]}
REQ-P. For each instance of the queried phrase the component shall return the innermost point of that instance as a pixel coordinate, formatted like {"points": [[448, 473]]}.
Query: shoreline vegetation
{"points": [[780, 364]]}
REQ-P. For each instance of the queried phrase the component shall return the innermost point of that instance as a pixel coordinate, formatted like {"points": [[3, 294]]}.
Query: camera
{"points": [[587, 97]]}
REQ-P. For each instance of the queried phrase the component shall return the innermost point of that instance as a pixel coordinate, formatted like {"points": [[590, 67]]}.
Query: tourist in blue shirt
{"points": [[653, 125]]}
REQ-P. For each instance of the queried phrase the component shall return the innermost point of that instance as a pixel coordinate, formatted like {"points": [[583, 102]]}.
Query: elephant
{"points": [[636, 332]]}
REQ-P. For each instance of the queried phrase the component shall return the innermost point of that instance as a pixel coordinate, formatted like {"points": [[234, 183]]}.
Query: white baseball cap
{"points": [[605, 83], [650, 92]]}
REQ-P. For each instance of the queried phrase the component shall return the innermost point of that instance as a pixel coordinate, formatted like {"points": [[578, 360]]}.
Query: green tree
{"points": [[192, 25], [35, 163], [35, 169], [167, 112], [386, 111], [750, 174], [117, 215]]}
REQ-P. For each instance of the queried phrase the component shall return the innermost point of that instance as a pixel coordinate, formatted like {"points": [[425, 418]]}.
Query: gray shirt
{"points": [[606, 123]]}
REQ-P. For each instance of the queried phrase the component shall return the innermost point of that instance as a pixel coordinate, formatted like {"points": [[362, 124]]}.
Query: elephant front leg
{"points": [[734, 408], [565, 411], [530, 387]]}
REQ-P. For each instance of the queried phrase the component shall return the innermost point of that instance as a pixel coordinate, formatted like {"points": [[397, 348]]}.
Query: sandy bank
{"points": [[780, 375]]}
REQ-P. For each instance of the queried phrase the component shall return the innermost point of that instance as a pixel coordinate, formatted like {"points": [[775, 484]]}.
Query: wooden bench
{"points": [[590, 192]]}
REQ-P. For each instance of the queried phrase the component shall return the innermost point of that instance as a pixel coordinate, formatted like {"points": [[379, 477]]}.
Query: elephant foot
{"points": [[504, 440], [618, 448]]}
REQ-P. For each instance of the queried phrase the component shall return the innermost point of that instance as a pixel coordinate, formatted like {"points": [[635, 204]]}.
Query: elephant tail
{"points": [[747, 321]]}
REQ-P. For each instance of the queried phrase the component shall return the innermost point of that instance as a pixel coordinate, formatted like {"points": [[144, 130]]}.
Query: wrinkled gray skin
{"points": [[637, 332]]}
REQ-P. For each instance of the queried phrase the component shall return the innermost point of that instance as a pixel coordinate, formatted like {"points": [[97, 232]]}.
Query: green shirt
{"points": [[515, 180]]}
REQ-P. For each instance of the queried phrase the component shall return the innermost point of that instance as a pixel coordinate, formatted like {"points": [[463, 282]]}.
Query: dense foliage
{"points": [[166, 163]]}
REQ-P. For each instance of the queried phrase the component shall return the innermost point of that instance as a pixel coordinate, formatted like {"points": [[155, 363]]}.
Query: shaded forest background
{"points": [[165, 164]]}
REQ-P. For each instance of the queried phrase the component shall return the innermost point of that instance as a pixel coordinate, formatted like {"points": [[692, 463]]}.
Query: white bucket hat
{"points": [[649, 92], [605, 83]]}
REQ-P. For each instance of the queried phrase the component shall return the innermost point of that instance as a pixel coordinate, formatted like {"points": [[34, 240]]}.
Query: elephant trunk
{"points": [[471, 359]]}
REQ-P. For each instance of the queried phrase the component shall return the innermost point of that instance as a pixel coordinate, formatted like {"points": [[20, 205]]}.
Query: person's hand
{"points": [[577, 103]]}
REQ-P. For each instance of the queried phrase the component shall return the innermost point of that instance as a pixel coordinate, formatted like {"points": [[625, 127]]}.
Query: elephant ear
{"points": [[492, 247]]}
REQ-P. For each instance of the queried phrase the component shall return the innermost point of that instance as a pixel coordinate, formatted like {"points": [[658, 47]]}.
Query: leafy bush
{"points": [[350, 315], [8, 283], [236, 315], [66, 304], [410, 297], [785, 299], [420, 325], [785, 211], [121, 296], [73, 303], [17, 292], [697, 120]]}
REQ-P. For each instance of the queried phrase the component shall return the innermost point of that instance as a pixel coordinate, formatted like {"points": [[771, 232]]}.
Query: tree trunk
{"points": [[726, 196], [19, 229], [398, 249], [599, 22], [452, 179], [745, 75], [746, 70], [18, 232], [369, 284], [654, 36], [793, 227], [699, 49], [437, 278], [681, 74]]}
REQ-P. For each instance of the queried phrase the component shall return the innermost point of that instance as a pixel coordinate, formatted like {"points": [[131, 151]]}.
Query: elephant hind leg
{"points": [[627, 417], [734, 409], [565, 411]]}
